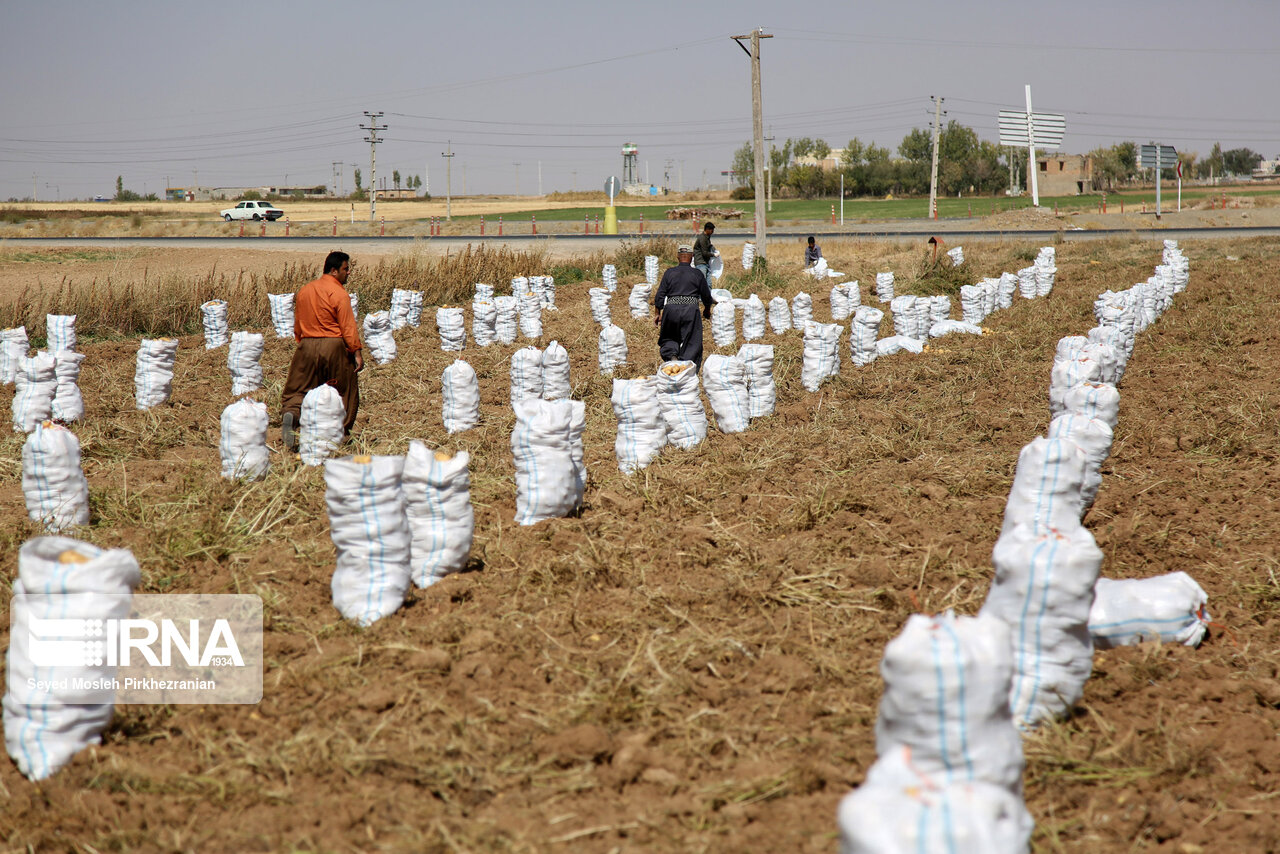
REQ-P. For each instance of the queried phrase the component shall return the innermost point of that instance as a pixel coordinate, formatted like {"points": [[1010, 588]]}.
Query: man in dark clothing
{"points": [[676, 310], [703, 251], [812, 253]]}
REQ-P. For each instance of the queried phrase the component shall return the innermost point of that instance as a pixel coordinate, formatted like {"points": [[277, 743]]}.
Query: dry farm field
{"points": [[691, 664]]}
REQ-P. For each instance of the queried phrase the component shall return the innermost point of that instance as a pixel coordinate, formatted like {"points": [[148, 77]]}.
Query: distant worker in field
{"points": [[676, 310], [703, 251], [812, 252], [328, 347]]}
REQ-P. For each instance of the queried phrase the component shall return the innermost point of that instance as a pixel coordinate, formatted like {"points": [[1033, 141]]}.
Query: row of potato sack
{"points": [[948, 777]]}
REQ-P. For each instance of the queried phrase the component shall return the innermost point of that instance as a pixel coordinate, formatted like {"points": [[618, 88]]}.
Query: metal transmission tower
{"points": [[373, 140], [757, 133], [448, 182]]}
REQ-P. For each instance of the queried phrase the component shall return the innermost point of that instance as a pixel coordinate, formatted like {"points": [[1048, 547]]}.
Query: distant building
{"points": [[1267, 169], [1064, 174], [392, 193], [830, 163]]}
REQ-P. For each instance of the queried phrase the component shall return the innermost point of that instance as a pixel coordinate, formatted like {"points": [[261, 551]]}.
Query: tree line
{"points": [[966, 166]]}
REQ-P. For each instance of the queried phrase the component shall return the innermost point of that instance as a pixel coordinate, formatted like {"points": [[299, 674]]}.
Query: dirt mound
{"points": [[1028, 218]]}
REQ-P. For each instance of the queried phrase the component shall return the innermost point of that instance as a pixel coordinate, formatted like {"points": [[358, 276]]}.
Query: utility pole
{"points": [[337, 176], [464, 179], [768, 167], [517, 165], [574, 173], [373, 141], [757, 134], [448, 183], [681, 177], [539, 177], [933, 179]]}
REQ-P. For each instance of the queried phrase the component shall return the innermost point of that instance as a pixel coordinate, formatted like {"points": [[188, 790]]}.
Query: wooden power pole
{"points": [[933, 179], [373, 141], [757, 136]]}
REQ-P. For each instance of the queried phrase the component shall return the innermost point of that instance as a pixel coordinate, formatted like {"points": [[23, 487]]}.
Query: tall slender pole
{"points": [[373, 141], [1033, 180], [1158, 171], [448, 182], [933, 177], [539, 177], [517, 165], [757, 138]]}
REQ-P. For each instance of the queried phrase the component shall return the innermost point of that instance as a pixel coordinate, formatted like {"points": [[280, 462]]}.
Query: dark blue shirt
{"points": [[682, 281]]}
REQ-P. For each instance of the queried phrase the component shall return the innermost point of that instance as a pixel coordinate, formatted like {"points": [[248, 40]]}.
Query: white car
{"points": [[254, 211]]}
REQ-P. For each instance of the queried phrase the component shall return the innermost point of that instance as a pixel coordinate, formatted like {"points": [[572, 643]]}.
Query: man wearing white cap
{"points": [[676, 310]]}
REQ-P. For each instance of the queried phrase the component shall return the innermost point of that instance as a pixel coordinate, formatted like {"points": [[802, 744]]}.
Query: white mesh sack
{"points": [[459, 397], [13, 346], [599, 299], [1027, 282], [821, 353], [972, 306], [1071, 371], [840, 304], [60, 332], [939, 309], [483, 291], [725, 380], [903, 310], [414, 317], [723, 330], [320, 430], [678, 398], [530, 315], [53, 482], [642, 433], [1168, 608], [949, 327], [60, 579], [213, 316], [1045, 276], [1043, 589], [1107, 357], [609, 277], [370, 531], [721, 295], [281, 306], [918, 815], [484, 316], [37, 383], [612, 346], [547, 477], [748, 256], [651, 272], [555, 372], [505, 319], [640, 300], [752, 318], [153, 376], [1110, 336], [1069, 346], [243, 446], [762, 391], [68, 403], [519, 284], [1092, 400], [442, 523], [526, 374], [378, 337], [1005, 290], [578, 426], [801, 310], [946, 699], [884, 287], [1094, 436], [779, 315], [898, 343], [452, 325], [863, 333], [547, 290], [354, 298], [401, 302], [956, 255], [243, 362], [1046, 486]]}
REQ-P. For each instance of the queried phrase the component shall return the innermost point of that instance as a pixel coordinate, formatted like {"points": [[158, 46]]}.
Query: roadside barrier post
{"points": [[970, 210], [598, 223], [833, 214], [499, 225], [335, 226], [242, 229], [286, 226], [482, 225], [263, 233], [384, 226], [586, 223], [533, 218], [641, 222]]}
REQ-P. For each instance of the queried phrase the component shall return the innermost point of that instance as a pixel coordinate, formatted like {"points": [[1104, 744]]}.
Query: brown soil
{"points": [[691, 664]]}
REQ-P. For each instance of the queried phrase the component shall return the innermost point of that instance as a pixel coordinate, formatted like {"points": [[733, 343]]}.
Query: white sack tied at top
{"points": [[243, 362], [484, 318], [863, 334], [437, 494], [483, 291], [414, 318], [13, 346], [762, 391], [378, 337], [1094, 438], [320, 429], [956, 255], [609, 277], [526, 374], [821, 353], [49, 714], [545, 288], [354, 299], [36, 386], [725, 381], [401, 305], [555, 372], [1092, 400], [68, 403], [1068, 371], [651, 272], [153, 376], [370, 532], [748, 256], [1043, 589], [884, 286], [1167, 608], [1006, 289], [844, 299], [612, 349], [547, 446], [1046, 490], [721, 295], [53, 483], [243, 445], [459, 397], [779, 315], [599, 301], [681, 404], [946, 698], [281, 306], [213, 316], [939, 309], [801, 310], [642, 432], [723, 329], [530, 305], [60, 332], [752, 318], [640, 300], [452, 326]]}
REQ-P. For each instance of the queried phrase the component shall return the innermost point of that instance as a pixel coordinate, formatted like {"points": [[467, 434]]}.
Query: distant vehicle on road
{"points": [[102, 198], [254, 211]]}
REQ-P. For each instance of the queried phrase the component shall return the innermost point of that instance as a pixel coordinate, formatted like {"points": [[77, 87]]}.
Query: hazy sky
{"points": [[246, 93]]}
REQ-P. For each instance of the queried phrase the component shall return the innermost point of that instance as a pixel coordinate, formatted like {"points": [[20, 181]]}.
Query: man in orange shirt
{"points": [[328, 347]]}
